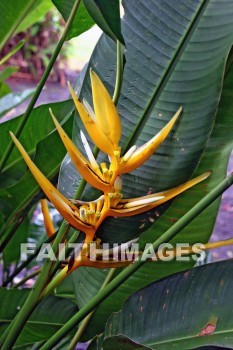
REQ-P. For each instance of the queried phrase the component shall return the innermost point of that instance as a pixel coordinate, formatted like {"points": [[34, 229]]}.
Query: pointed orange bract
{"points": [[140, 155], [67, 209], [82, 165], [96, 134], [156, 198], [48, 223], [105, 110]]}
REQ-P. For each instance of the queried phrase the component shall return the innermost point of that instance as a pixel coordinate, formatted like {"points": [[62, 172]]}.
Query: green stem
{"points": [[37, 346], [40, 85], [26, 278], [57, 264], [17, 23], [119, 73], [128, 271], [87, 319], [15, 49]]}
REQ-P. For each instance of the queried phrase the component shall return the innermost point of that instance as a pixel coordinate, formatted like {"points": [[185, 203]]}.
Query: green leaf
{"points": [[11, 253], [19, 15], [12, 100], [11, 15], [215, 158], [82, 21], [184, 311], [217, 153], [48, 317], [4, 89], [5, 74], [107, 15], [37, 12], [39, 139], [65, 289], [118, 342]]}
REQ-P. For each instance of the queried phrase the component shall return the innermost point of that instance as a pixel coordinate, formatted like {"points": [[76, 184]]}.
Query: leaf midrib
{"points": [[159, 88], [190, 337], [3, 320], [171, 340]]}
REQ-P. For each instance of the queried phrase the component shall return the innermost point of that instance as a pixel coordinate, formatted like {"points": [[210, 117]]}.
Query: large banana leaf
{"points": [[47, 318], [11, 100], [106, 15], [175, 56], [181, 312], [216, 158], [38, 12]]}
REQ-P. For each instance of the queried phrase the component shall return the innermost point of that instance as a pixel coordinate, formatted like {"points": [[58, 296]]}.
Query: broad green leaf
{"points": [[65, 289], [18, 186], [12, 100], [17, 13], [39, 125], [37, 12], [118, 342], [217, 152], [215, 158], [48, 317], [184, 311], [82, 21], [7, 72], [11, 253], [107, 15], [4, 87]]}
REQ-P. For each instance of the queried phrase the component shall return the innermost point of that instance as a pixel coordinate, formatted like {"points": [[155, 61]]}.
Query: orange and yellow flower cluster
{"points": [[104, 128]]}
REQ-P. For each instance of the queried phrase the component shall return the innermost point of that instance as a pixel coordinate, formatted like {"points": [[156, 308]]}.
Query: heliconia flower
{"points": [[88, 216], [104, 128]]}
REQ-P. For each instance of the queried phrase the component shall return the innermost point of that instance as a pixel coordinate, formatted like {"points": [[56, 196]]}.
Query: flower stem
{"points": [[128, 271], [119, 73], [40, 85], [26, 278], [87, 319]]}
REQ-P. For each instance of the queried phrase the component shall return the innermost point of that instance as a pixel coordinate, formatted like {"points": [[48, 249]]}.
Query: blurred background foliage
{"points": [[40, 35], [40, 41]]}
